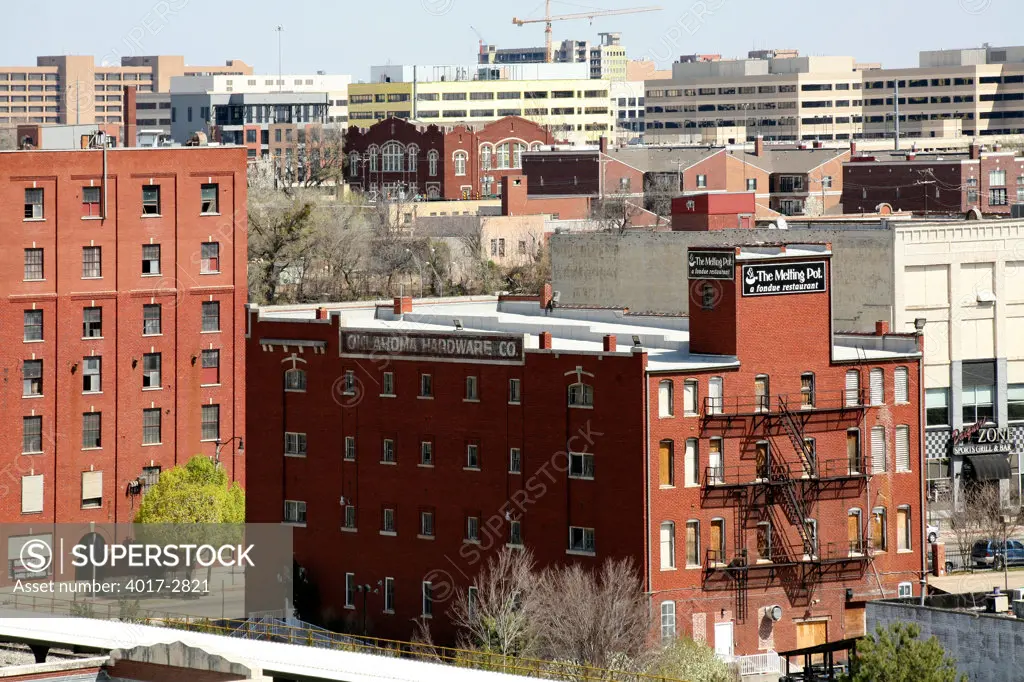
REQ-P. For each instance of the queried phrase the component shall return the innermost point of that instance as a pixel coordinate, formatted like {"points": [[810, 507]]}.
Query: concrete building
{"points": [[629, 111], [951, 93], [125, 276], [959, 277], [75, 90], [576, 108], [718, 482], [606, 59]]}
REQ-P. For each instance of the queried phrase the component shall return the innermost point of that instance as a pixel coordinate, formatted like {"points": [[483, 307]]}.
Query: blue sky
{"points": [[334, 36]]}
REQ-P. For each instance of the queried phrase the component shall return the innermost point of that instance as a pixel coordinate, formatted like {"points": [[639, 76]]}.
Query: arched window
{"points": [[373, 158], [668, 545], [432, 162], [535, 147], [433, 191], [460, 162], [295, 381], [393, 158], [414, 153], [353, 165], [581, 395], [503, 155], [485, 157], [666, 406], [517, 154]]}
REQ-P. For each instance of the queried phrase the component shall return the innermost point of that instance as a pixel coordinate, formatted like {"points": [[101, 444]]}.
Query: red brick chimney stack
{"points": [[603, 145], [403, 304], [545, 340], [881, 328], [609, 343], [546, 295], [131, 128], [759, 145], [975, 150], [322, 314]]}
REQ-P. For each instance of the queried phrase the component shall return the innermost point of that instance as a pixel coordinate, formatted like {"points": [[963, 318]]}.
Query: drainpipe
{"points": [[923, 521]]}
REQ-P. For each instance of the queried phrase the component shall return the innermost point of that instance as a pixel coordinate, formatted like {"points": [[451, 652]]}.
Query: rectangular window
{"points": [[350, 448], [751, 184], [387, 384], [92, 375], [91, 430], [211, 422], [350, 517], [716, 464], [151, 200], [350, 590], [33, 325], [936, 402], [853, 451], [32, 377], [208, 196], [666, 408], [92, 489], [33, 203], [91, 262], [581, 539], [210, 258], [473, 529], [714, 400], [389, 595], [515, 461], [1015, 402], [427, 524], [718, 540], [387, 520], [692, 543], [427, 453], [32, 494], [31, 435], [294, 444], [902, 448], [428, 600], [471, 389], [878, 453], [472, 456], [90, 202], [978, 392], [33, 264], [295, 512], [668, 621], [878, 529], [211, 316], [997, 178], [666, 464], [426, 386], [210, 375], [515, 533], [852, 388], [702, 181], [806, 390], [581, 465], [514, 391], [901, 386], [151, 364], [388, 451], [877, 386], [92, 323], [690, 397], [668, 545], [150, 259], [903, 529], [151, 426], [151, 319], [853, 531]]}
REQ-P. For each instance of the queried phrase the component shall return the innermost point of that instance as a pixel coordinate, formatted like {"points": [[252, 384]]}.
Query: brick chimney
{"points": [[759, 145], [853, 149], [881, 328], [131, 128], [322, 314], [545, 340], [609, 343], [975, 150], [603, 145], [403, 304], [513, 195], [818, 144], [546, 295]]}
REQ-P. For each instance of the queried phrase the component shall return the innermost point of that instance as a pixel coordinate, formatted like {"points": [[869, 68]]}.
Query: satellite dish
{"points": [[781, 224]]}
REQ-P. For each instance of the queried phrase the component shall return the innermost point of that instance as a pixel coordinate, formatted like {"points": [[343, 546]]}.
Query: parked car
{"points": [[989, 554], [932, 533]]}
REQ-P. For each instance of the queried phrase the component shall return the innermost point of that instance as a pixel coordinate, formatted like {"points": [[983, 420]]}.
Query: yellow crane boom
{"points": [[548, 18]]}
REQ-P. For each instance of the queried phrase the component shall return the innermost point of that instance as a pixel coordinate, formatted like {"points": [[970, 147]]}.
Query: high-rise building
{"points": [[606, 60], [125, 277]]}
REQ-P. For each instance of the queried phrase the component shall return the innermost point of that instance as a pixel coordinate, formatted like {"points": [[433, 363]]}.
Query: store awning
{"points": [[987, 467]]}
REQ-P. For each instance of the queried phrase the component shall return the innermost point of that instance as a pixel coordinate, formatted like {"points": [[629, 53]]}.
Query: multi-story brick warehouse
{"points": [[408, 443], [125, 279]]}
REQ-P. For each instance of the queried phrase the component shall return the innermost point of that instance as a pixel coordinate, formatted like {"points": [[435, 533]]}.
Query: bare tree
{"points": [[591, 619], [1000, 519], [280, 224], [659, 190], [493, 618], [617, 214]]}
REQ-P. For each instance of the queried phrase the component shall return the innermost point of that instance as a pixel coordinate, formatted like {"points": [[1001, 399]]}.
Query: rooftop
{"points": [[774, 159]]}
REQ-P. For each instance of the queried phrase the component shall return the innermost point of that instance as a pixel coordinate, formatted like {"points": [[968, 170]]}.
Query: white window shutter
{"points": [[852, 388], [31, 494], [877, 387], [878, 450], [690, 397], [92, 485], [902, 448], [664, 399], [902, 389]]}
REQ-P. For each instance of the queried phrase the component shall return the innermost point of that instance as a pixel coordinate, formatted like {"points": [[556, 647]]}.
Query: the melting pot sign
{"points": [[463, 346], [773, 279], [711, 264]]}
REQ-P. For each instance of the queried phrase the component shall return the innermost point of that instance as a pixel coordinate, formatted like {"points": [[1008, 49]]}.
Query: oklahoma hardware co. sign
{"points": [[774, 279], [458, 346]]}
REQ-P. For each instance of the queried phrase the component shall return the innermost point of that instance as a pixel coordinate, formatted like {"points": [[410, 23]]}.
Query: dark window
{"points": [[211, 422], [151, 363], [33, 264], [151, 259], [151, 319], [151, 199], [211, 316], [32, 377], [33, 325], [92, 371], [92, 323], [209, 192], [91, 430], [31, 434], [978, 392], [33, 203], [151, 428]]}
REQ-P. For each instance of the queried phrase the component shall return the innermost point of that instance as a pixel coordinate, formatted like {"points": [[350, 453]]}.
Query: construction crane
{"points": [[480, 36], [547, 19]]}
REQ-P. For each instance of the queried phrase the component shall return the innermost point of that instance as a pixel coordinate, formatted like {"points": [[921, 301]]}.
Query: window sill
{"points": [[350, 607], [209, 272], [150, 445], [211, 331], [388, 395], [515, 473], [149, 336], [904, 551], [35, 341], [33, 220], [151, 215], [390, 464], [388, 612], [216, 385], [215, 214], [30, 513], [294, 524], [92, 338], [388, 533], [467, 541], [580, 552], [425, 537], [425, 466], [92, 217], [422, 615], [152, 388], [40, 452], [514, 402], [294, 455], [759, 562], [92, 449], [470, 400], [581, 407], [666, 416], [287, 390], [348, 459], [92, 506], [424, 397], [93, 277], [209, 440], [345, 529], [671, 568], [34, 280], [581, 478], [92, 392], [511, 546], [668, 487], [471, 468], [33, 396], [691, 414]]}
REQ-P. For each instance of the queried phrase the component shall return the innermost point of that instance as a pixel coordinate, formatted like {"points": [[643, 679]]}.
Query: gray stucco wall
{"points": [[986, 648], [646, 271]]}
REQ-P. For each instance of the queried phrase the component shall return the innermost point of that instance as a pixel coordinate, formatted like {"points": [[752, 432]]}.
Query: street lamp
{"points": [[222, 443], [365, 590]]}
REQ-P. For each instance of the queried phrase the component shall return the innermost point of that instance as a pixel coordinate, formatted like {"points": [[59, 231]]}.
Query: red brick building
{"points": [[126, 279], [458, 162], [737, 478], [935, 183]]}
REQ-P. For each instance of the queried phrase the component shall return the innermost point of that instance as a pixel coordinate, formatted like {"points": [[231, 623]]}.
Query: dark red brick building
{"points": [[122, 334], [737, 477], [463, 161], [942, 183]]}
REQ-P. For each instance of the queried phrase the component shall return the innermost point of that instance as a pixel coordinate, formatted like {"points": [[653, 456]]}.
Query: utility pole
{"points": [[280, 77]]}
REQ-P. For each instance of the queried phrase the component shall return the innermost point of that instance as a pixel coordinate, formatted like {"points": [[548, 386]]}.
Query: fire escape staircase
{"points": [[796, 436]]}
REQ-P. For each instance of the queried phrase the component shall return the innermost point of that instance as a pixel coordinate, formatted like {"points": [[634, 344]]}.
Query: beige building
{"points": [[972, 92], [73, 89]]}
